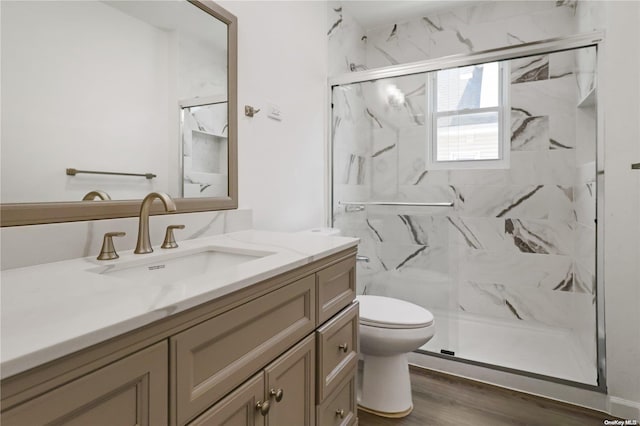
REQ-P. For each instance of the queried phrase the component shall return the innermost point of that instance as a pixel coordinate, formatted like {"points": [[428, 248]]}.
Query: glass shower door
{"points": [[383, 194], [509, 269]]}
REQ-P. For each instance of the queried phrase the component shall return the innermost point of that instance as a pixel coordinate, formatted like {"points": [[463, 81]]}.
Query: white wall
{"points": [[620, 94], [282, 59], [619, 58]]}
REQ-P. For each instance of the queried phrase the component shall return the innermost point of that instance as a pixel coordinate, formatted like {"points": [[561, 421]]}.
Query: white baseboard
{"points": [[625, 409]]}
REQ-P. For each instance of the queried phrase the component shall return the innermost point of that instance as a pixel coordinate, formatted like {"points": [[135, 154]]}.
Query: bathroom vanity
{"points": [[267, 336]]}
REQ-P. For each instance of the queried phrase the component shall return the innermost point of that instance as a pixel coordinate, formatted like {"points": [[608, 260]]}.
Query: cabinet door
{"points": [[132, 391], [238, 408], [212, 358], [291, 386], [340, 408]]}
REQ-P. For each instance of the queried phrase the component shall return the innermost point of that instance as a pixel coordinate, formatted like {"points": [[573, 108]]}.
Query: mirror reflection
{"points": [[204, 137], [135, 90]]}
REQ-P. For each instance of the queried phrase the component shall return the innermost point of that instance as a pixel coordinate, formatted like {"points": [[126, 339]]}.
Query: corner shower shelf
{"points": [[202, 132], [589, 99]]}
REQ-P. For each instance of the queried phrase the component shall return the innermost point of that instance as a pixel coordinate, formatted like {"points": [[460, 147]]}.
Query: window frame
{"points": [[504, 124]]}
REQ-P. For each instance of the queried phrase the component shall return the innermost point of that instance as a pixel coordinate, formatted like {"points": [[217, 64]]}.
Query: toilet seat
{"points": [[385, 312]]}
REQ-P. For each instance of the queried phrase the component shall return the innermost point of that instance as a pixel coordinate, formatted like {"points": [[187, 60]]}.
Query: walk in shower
{"points": [[472, 184]]}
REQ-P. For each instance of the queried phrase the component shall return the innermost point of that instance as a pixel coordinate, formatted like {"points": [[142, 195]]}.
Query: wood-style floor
{"points": [[442, 400]]}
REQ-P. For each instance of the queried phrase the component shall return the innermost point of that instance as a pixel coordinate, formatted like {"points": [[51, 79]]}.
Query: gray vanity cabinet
{"points": [[282, 352], [131, 391]]}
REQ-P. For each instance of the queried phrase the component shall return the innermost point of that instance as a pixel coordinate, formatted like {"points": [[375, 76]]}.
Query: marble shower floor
{"points": [[534, 348]]}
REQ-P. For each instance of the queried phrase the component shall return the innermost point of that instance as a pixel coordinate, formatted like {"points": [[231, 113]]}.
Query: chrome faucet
{"points": [[144, 241]]}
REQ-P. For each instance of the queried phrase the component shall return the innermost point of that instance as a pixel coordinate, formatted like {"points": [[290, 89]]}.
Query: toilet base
{"points": [[385, 386], [387, 415]]}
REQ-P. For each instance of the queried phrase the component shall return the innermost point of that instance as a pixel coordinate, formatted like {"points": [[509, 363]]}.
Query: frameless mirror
{"points": [[106, 101]]}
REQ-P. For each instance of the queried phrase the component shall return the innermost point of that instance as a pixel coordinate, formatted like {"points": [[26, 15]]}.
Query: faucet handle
{"points": [[108, 251], [169, 240]]}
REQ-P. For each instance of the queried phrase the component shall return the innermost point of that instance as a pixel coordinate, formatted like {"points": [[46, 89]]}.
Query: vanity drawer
{"points": [[340, 408], [337, 343], [212, 358], [336, 288]]}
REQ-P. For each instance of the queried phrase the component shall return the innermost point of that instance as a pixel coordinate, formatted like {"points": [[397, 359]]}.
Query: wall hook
{"points": [[250, 111]]}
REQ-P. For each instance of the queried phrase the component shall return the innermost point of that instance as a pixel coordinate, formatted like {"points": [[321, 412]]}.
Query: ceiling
{"points": [[372, 14]]}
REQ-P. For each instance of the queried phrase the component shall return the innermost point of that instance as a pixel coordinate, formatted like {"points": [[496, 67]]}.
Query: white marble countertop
{"points": [[54, 309]]}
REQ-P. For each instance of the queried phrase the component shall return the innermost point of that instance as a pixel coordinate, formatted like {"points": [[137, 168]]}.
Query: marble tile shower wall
{"points": [[347, 41], [510, 247], [483, 26]]}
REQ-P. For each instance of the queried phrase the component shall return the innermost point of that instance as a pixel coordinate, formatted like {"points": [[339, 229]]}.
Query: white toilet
{"points": [[389, 329]]}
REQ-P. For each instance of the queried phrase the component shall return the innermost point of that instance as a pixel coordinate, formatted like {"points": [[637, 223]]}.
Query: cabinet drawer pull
{"points": [[277, 393], [344, 347], [263, 407], [340, 413]]}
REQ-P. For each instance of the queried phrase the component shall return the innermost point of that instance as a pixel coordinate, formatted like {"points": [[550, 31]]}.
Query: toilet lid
{"points": [[385, 312]]}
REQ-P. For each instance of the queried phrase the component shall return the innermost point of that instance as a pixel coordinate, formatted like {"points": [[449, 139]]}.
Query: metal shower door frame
{"points": [[559, 44]]}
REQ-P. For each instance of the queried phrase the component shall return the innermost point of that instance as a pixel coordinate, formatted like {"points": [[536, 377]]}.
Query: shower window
{"points": [[467, 110]]}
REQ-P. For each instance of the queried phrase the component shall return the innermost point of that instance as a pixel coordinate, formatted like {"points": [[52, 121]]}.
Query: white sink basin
{"points": [[169, 268]]}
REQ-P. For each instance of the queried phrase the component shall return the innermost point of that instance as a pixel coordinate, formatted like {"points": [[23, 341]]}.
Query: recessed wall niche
{"points": [[204, 133]]}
